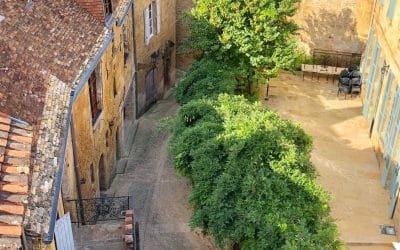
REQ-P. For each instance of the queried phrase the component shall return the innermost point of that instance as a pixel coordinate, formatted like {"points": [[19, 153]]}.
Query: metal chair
{"points": [[344, 86], [355, 86]]}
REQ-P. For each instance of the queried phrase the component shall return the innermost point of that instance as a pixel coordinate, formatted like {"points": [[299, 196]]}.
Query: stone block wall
{"points": [[336, 25], [46, 158], [183, 60]]}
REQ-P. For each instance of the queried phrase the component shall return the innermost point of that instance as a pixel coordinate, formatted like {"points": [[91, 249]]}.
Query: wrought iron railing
{"points": [[90, 211]]}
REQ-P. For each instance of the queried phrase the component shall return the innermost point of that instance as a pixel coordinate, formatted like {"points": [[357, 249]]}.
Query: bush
{"points": [[253, 182], [206, 78]]}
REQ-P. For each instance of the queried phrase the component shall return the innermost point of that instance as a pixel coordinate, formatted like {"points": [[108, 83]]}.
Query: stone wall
{"points": [[336, 25], [46, 158], [158, 43], [183, 60]]}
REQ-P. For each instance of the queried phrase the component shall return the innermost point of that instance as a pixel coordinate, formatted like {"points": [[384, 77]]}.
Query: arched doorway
{"points": [[102, 174]]}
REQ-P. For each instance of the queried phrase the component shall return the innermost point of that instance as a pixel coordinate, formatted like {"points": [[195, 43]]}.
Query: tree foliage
{"points": [[253, 182], [206, 78], [256, 35]]}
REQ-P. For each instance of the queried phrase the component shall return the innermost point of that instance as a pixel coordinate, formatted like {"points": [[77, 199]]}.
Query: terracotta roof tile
{"points": [[15, 154], [54, 37]]}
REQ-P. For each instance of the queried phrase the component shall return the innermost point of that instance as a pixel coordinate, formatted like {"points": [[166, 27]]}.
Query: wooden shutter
{"points": [[393, 125], [392, 7], [146, 26], [371, 78], [385, 98], [158, 16], [366, 52], [93, 93]]}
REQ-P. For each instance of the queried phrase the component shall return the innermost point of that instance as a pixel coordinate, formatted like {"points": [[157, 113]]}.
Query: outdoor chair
{"points": [[344, 86], [355, 74], [355, 86]]}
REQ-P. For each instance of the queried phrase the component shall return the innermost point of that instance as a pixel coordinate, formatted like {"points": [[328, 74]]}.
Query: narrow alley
{"points": [[160, 196]]}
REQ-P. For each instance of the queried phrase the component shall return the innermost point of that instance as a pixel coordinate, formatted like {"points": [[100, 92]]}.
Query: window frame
{"points": [[107, 5], [152, 20], [95, 92]]}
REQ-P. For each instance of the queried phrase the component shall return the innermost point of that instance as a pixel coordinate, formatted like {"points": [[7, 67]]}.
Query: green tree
{"points": [[253, 182], [257, 36]]}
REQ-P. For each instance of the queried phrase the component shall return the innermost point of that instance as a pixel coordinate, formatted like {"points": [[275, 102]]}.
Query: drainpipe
{"points": [[77, 173]]}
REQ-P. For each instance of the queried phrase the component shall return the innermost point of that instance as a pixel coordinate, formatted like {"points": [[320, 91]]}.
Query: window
{"points": [[392, 7], [151, 20], [95, 93], [126, 43], [107, 8]]}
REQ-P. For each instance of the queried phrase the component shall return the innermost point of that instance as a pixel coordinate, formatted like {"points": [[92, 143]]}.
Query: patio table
{"points": [[321, 70]]}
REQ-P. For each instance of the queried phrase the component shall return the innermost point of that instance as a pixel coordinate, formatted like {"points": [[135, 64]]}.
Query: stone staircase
{"points": [[15, 153], [102, 236]]}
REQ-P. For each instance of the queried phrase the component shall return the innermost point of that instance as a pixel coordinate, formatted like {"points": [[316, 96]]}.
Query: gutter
{"points": [[73, 96], [121, 19]]}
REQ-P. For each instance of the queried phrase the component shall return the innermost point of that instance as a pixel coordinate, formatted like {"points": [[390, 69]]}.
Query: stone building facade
{"points": [[70, 74], [381, 95], [155, 46]]}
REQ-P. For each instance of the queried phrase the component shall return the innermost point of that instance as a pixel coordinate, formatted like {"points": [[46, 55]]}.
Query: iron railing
{"points": [[98, 209]]}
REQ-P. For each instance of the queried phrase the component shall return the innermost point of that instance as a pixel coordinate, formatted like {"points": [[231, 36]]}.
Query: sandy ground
{"points": [[343, 155], [160, 196]]}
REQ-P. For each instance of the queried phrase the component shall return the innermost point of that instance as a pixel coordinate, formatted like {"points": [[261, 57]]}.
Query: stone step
{"points": [[10, 230], [11, 208], [11, 219]]}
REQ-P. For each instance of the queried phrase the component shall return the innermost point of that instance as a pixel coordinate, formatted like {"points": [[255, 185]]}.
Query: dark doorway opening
{"points": [[102, 175]]}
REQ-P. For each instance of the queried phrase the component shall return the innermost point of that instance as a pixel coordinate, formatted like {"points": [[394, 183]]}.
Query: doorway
{"points": [[151, 90], [102, 175]]}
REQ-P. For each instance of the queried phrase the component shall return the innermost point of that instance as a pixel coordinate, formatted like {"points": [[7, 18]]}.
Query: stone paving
{"points": [[160, 196], [343, 155]]}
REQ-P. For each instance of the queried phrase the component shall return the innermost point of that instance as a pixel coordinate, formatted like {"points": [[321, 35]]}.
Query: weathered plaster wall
{"points": [[157, 43], [387, 33], [340, 25]]}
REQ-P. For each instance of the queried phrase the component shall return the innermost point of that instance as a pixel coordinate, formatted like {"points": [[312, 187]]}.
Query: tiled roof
{"points": [[15, 156], [52, 37]]}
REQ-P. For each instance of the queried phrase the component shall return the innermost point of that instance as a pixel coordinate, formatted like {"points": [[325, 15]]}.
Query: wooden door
{"points": [[151, 90]]}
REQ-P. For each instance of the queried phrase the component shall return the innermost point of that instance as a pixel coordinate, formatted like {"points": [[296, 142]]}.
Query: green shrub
{"points": [[253, 182], [206, 78]]}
